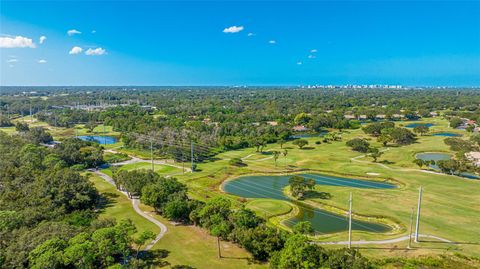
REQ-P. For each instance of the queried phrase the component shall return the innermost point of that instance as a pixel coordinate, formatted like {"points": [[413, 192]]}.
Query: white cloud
{"points": [[42, 61], [311, 56], [75, 50], [250, 34], [16, 42], [42, 39], [272, 42], [299, 63], [94, 31], [233, 29], [313, 51], [73, 32], [97, 51], [12, 60]]}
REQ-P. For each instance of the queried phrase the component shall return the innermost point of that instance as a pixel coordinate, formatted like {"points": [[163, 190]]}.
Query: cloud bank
{"points": [[16, 42]]}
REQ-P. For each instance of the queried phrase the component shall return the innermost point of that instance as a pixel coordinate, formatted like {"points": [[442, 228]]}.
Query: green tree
{"points": [[21, 127], [299, 185], [419, 162], [300, 254], [358, 144], [81, 251], [374, 153], [142, 239], [302, 118], [276, 154], [421, 129], [303, 227], [455, 122], [48, 255], [300, 143]]}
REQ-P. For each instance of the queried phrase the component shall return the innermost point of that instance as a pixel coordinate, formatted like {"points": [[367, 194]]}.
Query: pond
{"points": [[447, 134], [413, 125], [104, 140], [322, 221], [429, 156], [432, 156]]}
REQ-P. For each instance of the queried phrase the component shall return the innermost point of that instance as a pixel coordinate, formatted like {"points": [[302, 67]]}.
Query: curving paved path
{"points": [[135, 203], [387, 241], [138, 160]]}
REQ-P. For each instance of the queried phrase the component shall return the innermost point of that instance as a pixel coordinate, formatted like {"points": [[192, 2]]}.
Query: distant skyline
{"points": [[427, 43]]}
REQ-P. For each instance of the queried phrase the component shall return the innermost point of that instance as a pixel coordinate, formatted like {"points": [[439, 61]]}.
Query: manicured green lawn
{"points": [[181, 245], [119, 207], [450, 208], [269, 207]]}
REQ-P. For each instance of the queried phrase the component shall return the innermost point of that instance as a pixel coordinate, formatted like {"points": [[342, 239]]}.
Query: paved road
{"points": [[387, 241], [135, 203]]}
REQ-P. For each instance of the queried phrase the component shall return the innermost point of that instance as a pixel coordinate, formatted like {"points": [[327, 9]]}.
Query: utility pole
{"points": [[31, 119], [151, 154], [183, 162], [411, 229], [191, 153], [417, 226], [350, 223], [218, 246]]}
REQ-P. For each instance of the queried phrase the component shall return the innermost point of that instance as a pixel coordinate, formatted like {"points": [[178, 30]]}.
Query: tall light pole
{"points": [[417, 226], [191, 153], [350, 222], [151, 154]]}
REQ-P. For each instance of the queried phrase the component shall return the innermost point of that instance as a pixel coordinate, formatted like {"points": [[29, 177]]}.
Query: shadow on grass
{"points": [[317, 195], [386, 162], [106, 200], [307, 148], [154, 258]]}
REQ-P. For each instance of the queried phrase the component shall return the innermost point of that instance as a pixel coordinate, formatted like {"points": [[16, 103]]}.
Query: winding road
{"points": [[135, 203]]}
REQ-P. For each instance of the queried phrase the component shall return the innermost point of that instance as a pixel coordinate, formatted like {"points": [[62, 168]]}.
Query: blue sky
{"points": [[272, 43]]}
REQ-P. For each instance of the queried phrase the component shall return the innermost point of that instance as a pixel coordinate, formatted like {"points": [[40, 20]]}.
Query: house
{"points": [[272, 123], [381, 116], [397, 116], [349, 117], [299, 128], [474, 157], [433, 114]]}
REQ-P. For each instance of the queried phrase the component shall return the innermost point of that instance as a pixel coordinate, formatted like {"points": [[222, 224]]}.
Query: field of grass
{"points": [[162, 170], [181, 245], [269, 207], [119, 207], [450, 207]]}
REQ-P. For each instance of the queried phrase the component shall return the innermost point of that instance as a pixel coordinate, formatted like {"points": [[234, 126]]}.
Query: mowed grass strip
{"points": [[269, 207], [119, 207]]}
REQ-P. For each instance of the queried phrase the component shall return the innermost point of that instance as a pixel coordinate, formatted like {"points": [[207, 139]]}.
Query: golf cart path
{"points": [[387, 241], [138, 160], [135, 203]]}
